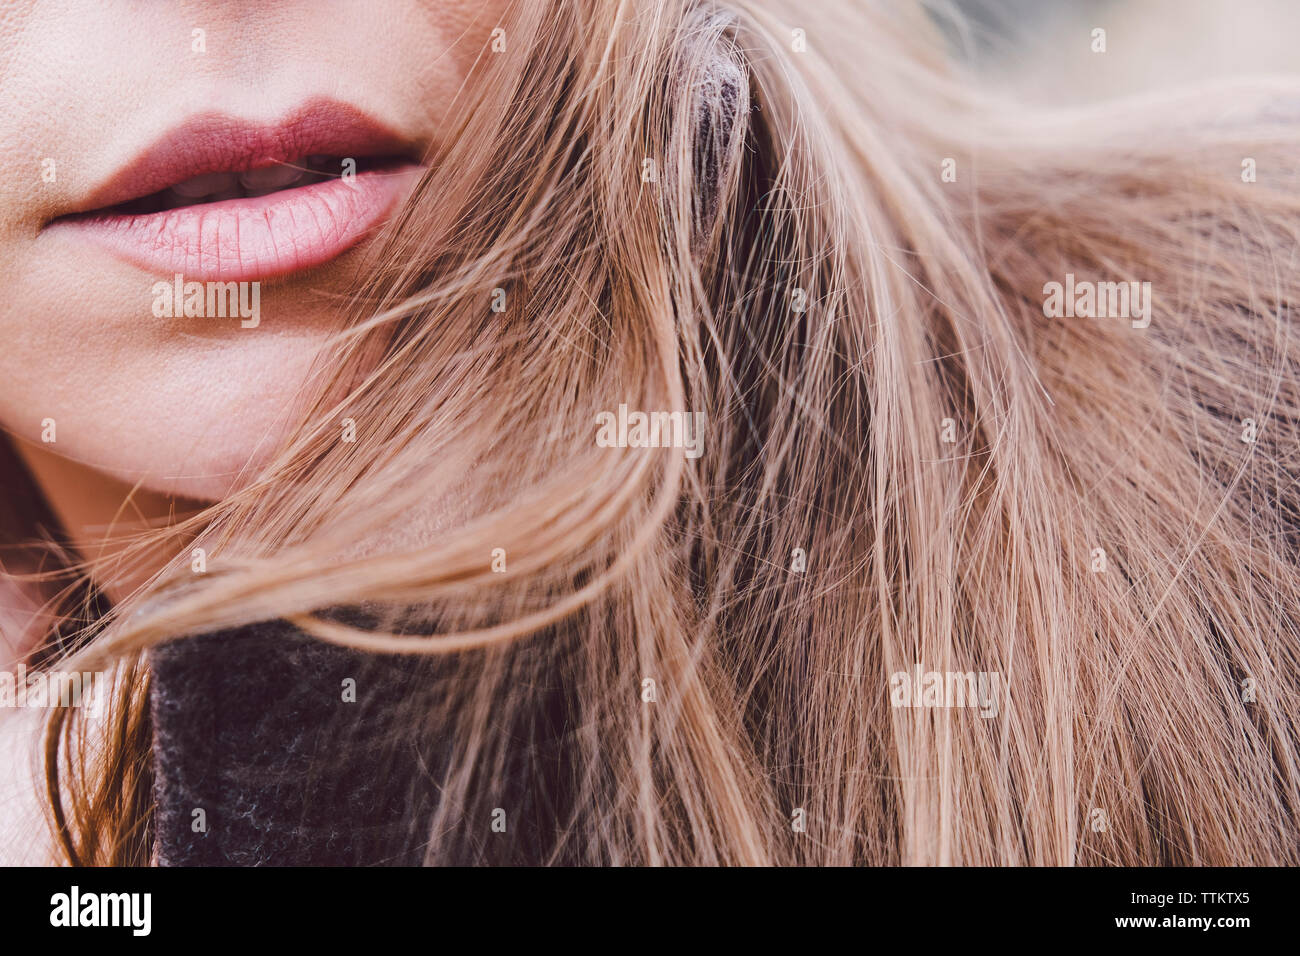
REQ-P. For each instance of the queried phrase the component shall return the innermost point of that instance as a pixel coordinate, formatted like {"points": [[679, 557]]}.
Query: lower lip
{"points": [[259, 237]]}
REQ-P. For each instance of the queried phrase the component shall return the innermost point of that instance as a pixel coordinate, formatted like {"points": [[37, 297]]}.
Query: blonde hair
{"points": [[687, 208]]}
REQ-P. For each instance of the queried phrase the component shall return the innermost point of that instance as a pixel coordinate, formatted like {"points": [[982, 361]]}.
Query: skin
{"points": [[154, 416], [178, 404]]}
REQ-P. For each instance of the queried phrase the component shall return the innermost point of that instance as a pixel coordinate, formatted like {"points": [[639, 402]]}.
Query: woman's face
{"points": [[248, 149]]}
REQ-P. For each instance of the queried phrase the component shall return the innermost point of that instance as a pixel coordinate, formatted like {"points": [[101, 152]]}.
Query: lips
{"points": [[222, 199]]}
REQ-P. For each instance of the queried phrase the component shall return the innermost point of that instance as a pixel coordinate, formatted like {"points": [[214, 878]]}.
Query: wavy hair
{"points": [[740, 208]]}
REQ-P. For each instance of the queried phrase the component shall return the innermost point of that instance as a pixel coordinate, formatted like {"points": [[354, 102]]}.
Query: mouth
{"points": [[223, 199]]}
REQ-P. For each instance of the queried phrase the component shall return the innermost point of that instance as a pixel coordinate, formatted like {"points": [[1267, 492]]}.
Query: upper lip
{"points": [[217, 142]]}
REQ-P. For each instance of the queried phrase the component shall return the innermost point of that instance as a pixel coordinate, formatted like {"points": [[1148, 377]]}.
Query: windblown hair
{"points": [[685, 210]]}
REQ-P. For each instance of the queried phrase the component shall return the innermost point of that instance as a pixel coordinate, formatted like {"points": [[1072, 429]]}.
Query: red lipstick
{"points": [[223, 199]]}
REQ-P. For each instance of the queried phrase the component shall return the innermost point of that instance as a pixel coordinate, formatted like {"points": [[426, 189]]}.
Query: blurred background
{"points": [[1042, 49]]}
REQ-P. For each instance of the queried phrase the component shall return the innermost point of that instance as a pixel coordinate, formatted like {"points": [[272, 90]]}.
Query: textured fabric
{"points": [[260, 760]]}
